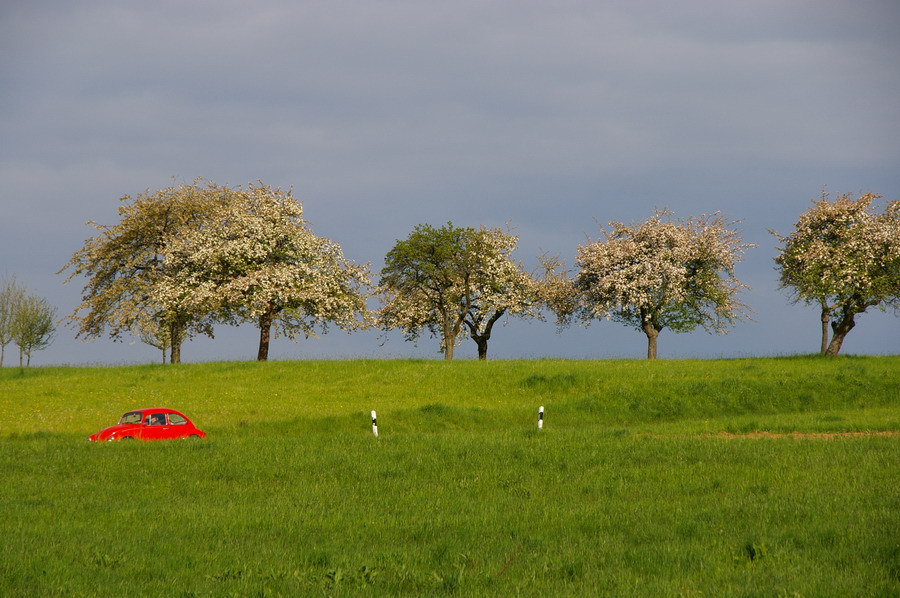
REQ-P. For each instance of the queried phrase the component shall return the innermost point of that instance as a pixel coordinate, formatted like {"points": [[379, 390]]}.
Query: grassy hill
{"points": [[733, 477], [621, 393]]}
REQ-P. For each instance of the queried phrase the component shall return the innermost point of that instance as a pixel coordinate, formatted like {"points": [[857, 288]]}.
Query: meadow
{"points": [[747, 477]]}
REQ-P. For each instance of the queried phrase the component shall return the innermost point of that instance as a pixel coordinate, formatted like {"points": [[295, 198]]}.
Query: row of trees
{"points": [[26, 320], [187, 257]]}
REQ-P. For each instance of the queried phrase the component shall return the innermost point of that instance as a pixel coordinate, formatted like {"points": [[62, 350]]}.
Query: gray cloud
{"points": [[384, 115]]}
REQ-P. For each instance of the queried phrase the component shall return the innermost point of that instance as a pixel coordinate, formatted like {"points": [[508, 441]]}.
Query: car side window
{"points": [[176, 420], [133, 417], [156, 419]]}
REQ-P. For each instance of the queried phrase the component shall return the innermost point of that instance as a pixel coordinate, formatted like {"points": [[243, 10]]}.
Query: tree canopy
{"points": [[843, 256], [259, 262], [186, 257], [441, 280], [26, 320], [660, 273], [32, 326], [126, 268]]}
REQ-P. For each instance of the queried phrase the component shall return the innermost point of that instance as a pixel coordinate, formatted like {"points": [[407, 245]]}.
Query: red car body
{"points": [[149, 424]]}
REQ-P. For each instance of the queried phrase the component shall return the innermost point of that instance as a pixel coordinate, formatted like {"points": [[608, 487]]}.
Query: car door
{"points": [[155, 426]]}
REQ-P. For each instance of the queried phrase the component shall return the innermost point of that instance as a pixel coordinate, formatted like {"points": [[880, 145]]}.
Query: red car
{"points": [[150, 424]]}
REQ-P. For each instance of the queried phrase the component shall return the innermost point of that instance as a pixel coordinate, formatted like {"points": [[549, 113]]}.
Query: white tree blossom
{"points": [[844, 257], [257, 260], [661, 273], [127, 272]]}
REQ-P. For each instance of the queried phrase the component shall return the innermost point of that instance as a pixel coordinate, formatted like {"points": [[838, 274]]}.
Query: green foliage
{"points": [[441, 280], [460, 494], [25, 319], [33, 326]]}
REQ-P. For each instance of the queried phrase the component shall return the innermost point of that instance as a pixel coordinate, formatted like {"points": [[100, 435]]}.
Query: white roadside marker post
{"points": [[374, 425], [541, 418]]}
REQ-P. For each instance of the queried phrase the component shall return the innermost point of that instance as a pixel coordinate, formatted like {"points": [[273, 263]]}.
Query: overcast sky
{"points": [[554, 117]]}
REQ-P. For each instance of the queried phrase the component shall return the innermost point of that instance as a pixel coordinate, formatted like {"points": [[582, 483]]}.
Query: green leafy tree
{"points": [[844, 257], [11, 294], [443, 280], [258, 261], [660, 273], [128, 289], [32, 325]]}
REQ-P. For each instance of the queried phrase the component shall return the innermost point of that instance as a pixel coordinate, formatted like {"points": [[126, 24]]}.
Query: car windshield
{"points": [[132, 417]]}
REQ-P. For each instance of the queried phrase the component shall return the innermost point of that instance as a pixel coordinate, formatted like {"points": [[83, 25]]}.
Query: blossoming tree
{"points": [[444, 279], [661, 273], [844, 257], [496, 286], [128, 288], [258, 261]]}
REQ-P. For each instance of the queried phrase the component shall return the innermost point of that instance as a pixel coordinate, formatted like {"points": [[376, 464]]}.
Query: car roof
{"points": [[155, 410]]}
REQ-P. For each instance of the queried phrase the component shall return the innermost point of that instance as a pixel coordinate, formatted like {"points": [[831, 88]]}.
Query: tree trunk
{"points": [[449, 346], [450, 331], [652, 335], [482, 342], [175, 354], [482, 339], [826, 320], [175, 334], [265, 333], [652, 332], [841, 328]]}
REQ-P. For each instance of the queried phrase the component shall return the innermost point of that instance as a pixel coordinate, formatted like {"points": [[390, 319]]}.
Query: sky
{"points": [[552, 118]]}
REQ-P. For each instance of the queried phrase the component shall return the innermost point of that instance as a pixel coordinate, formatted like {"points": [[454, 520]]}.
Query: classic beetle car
{"points": [[149, 424]]}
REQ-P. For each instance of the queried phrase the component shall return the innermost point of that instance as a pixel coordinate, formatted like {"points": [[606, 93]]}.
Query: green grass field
{"points": [[648, 479]]}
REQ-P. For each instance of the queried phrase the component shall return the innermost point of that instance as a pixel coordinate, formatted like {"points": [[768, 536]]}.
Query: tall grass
{"points": [[618, 495]]}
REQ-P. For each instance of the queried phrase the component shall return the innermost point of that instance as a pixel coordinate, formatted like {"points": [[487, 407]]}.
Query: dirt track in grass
{"points": [[804, 435]]}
